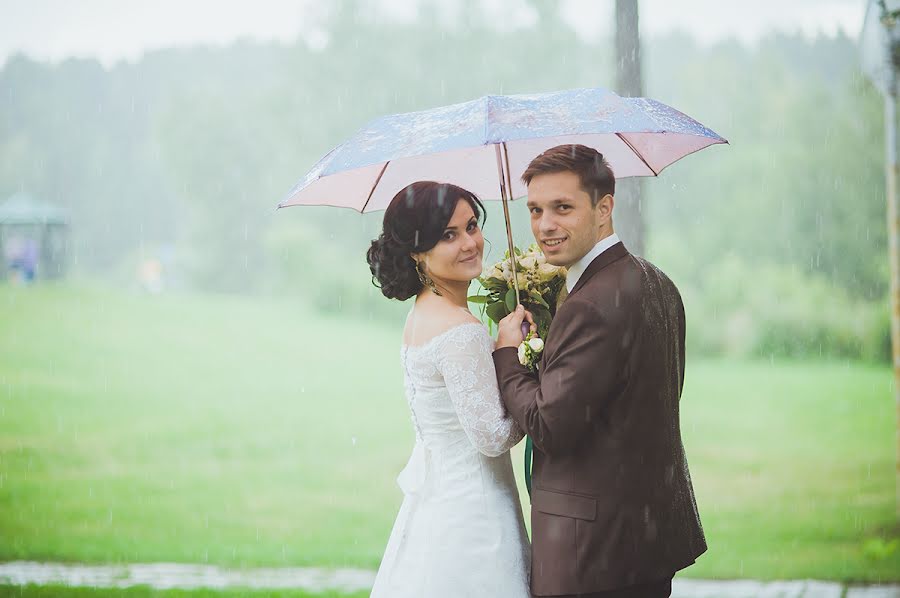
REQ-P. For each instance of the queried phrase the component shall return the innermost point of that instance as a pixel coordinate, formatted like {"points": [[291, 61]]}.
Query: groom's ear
{"points": [[605, 205]]}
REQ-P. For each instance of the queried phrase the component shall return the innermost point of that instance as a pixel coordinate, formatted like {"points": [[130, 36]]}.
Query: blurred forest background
{"points": [[778, 241]]}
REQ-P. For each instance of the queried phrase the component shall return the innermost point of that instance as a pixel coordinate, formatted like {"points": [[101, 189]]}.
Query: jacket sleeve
{"points": [[576, 378]]}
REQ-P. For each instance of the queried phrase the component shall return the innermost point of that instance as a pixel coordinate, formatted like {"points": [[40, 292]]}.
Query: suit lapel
{"points": [[616, 252]]}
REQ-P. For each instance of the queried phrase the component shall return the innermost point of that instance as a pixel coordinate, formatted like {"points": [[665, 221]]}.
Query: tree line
{"points": [[777, 241]]}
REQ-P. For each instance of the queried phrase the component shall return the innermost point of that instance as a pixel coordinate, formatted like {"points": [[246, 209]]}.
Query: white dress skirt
{"points": [[460, 531]]}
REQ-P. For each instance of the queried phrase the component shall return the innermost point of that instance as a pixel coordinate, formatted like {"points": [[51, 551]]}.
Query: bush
{"points": [[330, 274], [738, 309]]}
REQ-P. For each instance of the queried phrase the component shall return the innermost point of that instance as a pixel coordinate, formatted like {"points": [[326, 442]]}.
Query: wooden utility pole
{"points": [[890, 170], [880, 55], [890, 188], [629, 221]]}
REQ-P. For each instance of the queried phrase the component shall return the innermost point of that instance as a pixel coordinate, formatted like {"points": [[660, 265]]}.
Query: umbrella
{"points": [[477, 144]]}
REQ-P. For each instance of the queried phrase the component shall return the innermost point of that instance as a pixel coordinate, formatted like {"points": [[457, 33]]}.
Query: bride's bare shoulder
{"points": [[432, 319]]}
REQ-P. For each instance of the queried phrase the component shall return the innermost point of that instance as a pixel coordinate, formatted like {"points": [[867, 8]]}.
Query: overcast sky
{"points": [[113, 30]]}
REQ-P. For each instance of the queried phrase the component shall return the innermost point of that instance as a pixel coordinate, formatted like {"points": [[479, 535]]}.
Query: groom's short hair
{"points": [[597, 178]]}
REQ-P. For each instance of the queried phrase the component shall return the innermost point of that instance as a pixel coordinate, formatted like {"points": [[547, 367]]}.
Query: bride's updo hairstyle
{"points": [[413, 223]]}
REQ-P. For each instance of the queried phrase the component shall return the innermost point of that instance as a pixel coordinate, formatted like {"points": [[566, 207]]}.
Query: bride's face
{"points": [[457, 256]]}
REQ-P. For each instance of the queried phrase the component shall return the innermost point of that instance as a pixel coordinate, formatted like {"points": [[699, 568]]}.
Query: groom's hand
{"points": [[509, 330]]}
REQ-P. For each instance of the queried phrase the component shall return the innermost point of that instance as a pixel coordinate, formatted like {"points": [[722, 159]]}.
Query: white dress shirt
{"points": [[578, 268]]}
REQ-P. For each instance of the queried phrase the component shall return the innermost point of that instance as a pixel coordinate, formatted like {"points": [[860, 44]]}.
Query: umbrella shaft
{"points": [[512, 247], [505, 192]]}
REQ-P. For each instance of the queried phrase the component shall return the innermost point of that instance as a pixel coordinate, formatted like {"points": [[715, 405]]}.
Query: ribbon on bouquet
{"points": [[528, 444], [528, 449]]}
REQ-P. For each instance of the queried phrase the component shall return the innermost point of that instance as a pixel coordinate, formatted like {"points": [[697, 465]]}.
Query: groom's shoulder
{"points": [[619, 282], [651, 270], [623, 285]]}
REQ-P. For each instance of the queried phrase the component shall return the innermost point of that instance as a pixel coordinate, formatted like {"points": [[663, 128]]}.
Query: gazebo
{"points": [[33, 237]]}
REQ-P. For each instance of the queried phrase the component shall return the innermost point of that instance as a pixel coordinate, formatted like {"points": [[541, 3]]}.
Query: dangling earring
{"points": [[426, 280]]}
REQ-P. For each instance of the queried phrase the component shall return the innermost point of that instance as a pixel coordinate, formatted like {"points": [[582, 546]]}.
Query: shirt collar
{"points": [[578, 268]]}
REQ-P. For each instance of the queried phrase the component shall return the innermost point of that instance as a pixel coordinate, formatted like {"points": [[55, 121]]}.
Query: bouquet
{"points": [[530, 351], [542, 287]]}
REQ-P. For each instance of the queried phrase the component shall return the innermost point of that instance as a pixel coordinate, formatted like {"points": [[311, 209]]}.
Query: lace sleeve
{"points": [[464, 360]]}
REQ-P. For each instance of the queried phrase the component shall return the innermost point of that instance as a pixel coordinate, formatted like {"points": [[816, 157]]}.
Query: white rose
{"points": [[527, 263], [536, 344], [547, 272], [495, 272], [522, 357]]}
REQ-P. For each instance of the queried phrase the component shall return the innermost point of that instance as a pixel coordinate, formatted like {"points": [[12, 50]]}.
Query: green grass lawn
{"points": [[245, 432]]}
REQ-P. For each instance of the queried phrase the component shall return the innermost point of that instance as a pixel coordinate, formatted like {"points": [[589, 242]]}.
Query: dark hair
{"points": [[413, 223], [597, 178]]}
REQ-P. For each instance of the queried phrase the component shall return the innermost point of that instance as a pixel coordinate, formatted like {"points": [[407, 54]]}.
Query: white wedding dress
{"points": [[460, 531]]}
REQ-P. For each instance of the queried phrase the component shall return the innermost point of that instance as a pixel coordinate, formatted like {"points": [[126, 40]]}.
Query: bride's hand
{"points": [[509, 329]]}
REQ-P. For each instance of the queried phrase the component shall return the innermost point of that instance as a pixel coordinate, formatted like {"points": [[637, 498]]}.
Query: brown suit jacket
{"points": [[612, 503]]}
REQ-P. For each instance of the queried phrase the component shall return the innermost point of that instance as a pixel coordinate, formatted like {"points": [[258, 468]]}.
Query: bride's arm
{"points": [[465, 361]]}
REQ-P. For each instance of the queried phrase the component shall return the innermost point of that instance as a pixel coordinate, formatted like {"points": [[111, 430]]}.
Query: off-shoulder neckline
{"points": [[406, 347]]}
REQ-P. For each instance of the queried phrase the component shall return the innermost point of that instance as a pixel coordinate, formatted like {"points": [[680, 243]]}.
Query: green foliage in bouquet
{"points": [[542, 287]]}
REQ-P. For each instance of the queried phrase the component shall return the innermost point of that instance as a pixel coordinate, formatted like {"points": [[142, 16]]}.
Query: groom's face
{"points": [[564, 222]]}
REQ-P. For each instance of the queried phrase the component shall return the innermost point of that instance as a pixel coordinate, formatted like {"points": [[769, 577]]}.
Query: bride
{"points": [[460, 530]]}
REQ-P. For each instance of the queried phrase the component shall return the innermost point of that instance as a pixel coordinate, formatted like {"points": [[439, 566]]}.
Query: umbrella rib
{"points": [[637, 153], [372, 191]]}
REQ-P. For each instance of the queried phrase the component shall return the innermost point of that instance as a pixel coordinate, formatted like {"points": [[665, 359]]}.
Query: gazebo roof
{"points": [[22, 208]]}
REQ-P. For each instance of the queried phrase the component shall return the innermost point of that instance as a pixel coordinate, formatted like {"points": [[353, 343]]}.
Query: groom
{"points": [[612, 507]]}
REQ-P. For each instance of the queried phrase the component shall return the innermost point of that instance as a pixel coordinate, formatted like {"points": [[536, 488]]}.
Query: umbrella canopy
{"points": [[472, 143]]}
